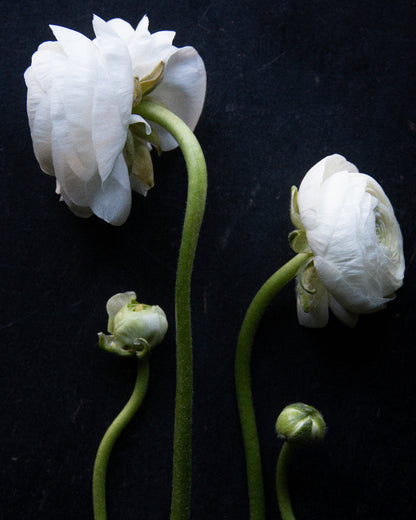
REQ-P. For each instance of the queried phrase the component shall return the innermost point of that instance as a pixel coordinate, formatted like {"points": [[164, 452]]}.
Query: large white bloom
{"points": [[79, 103], [356, 242]]}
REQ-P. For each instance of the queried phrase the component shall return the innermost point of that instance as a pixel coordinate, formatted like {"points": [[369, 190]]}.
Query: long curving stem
{"points": [[195, 206], [112, 434], [282, 489], [243, 380]]}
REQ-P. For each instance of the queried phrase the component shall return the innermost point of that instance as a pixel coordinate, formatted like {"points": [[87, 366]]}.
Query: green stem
{"points": [[282, 489], [197, 187], [112, 434], [243, 381]]}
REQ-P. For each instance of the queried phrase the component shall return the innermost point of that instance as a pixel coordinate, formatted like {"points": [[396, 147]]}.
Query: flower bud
{"points": [[135, 328], [301, 424]]}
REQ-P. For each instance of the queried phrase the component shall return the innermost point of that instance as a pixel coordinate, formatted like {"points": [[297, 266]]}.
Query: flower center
{"points": [[382, 230]]}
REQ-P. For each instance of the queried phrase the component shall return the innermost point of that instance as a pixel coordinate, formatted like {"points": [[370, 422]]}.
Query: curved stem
{"points": [[243, 381], [282, 489], [112, 434], [197, 187]]}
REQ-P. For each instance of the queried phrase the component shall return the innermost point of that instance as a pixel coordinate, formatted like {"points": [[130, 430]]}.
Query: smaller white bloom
{"points": [[79, 102], [348, 224], [135, 328]]}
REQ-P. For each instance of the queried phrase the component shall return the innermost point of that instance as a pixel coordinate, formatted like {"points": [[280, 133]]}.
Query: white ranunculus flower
{"points": [[355, 239], [79, 103]]}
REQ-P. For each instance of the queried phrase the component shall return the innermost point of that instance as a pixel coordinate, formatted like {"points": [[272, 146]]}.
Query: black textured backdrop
{"points": [[289, 82]]}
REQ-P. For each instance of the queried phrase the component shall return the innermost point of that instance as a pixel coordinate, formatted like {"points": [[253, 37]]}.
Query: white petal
{"points": [[113, 96], [182, 90], [117, 64], [391, 248], [119, 300], [73, 188], [338, 209], [76, 46], [48, 62], [142, 28], [148, 50], [122, 28], [135, 118], [348, 256], [309, 190], [109, 132], [71, 120], [112, 201], [38, 108]]}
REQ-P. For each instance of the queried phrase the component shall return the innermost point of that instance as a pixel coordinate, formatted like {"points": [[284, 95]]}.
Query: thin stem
{"points": [[243, 381], [282, 489], [112, 434], [197, 187]]}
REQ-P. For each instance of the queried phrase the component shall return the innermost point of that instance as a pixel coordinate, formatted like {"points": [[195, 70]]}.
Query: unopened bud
{"points": [[301, 424], [135, 328]]}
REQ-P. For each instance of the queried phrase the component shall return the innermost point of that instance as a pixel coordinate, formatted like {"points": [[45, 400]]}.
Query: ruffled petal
{"points": [[124, 30], [182, 90], [48, 62], [309, 190], [71, 101], [119, 300], [112, 202], [38, 108], [113, 96], [147, 50], [75, 45]]}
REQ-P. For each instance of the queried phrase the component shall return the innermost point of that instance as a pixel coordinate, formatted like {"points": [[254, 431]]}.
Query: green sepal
{"points": [[141, 348], [307, 280], [128, 150], [142, 168], [298, 241], [111, 344], [138, 159], [305, 298], [137, 91], [151, 81], [294, 208]]}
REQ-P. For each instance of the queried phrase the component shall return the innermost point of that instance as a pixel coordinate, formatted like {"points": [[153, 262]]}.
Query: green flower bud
{"points": [[301, 424], [135, 328]]}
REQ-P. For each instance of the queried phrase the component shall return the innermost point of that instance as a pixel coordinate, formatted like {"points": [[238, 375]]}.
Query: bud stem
{"points": [[112, 434], [197, 187], [243, 381], [282, 489]]}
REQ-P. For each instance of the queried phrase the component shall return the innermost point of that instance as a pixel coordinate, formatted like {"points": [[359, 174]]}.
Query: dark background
{"points": [[289, 82]]}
